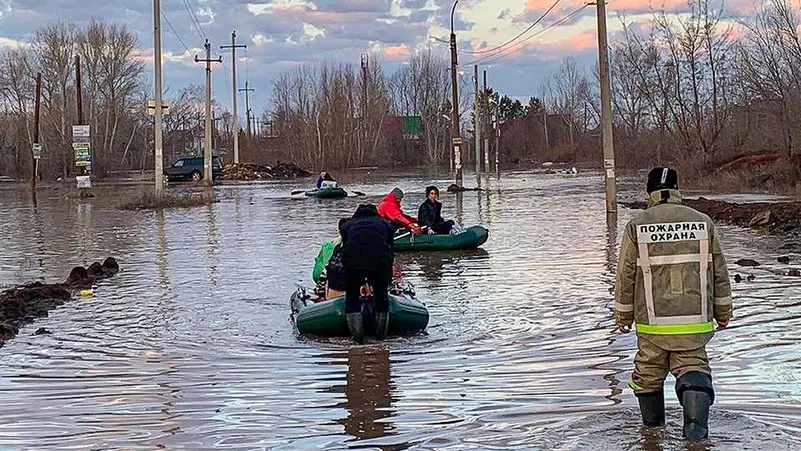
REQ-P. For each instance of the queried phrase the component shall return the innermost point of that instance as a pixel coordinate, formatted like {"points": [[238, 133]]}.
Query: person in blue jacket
{"points": [[325, 177]]}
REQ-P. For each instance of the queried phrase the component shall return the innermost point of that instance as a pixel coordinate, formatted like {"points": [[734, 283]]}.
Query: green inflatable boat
{"points": [[333, 192], [327, 318], [471, 238]]}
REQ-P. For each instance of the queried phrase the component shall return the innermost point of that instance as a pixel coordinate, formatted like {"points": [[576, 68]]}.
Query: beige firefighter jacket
{"points": [[672, 278]]}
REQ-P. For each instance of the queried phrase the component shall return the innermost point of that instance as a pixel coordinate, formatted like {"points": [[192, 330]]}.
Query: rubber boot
{"points": [[696, 414], [696, 394], [381, 325], [356, 326], [652, 408]]}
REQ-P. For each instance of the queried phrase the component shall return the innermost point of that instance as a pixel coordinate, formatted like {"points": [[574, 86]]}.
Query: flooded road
{"points": [[191, 346]]}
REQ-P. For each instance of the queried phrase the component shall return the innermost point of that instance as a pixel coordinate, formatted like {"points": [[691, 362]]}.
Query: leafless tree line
{"points": [[114, 98], [692, 90], [339, 115]]}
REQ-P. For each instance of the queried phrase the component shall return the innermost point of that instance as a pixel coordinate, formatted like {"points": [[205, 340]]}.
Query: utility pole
{"points": [[545, 124], [246, 90], [157, 141], [79, 99], [456, 137], [497, 144], [485, 122], [207, 175], [477, 125], [606, 111], [36, 149], [233, 48], [363, 125]]}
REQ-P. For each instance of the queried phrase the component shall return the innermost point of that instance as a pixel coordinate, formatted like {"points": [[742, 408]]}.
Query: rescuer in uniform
{"points": [[672, 282]]}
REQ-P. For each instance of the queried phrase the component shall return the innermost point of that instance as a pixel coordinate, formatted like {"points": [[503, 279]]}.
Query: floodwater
{"points": [[191, 347]]}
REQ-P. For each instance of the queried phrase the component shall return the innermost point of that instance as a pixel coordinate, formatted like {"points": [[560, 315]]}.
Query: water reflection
{"points": [[433, 264], [369, 392], [189, 347]]}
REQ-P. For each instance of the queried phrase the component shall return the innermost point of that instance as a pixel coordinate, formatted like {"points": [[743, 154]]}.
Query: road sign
{"points": [[80, 134], [457, 141], [37, 150], [151, 107], [83, 181]]}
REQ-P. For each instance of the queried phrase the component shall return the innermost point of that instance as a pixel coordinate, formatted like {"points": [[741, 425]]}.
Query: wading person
{"points": [[367, 258], [672, 282], [430, 213]]}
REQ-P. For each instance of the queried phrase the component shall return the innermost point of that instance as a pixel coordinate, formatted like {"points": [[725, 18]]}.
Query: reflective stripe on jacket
{"points": [[672, 278]]}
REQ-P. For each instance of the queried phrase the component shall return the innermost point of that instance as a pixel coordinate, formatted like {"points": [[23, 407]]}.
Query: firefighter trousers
{"points": [[652, 363]]}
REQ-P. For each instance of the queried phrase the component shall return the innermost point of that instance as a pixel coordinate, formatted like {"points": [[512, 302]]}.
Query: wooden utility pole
{"points": [[207, 175], [35, 155], [456, 137], [233, 48], [246, 90], [157, 112], [606, 111]]}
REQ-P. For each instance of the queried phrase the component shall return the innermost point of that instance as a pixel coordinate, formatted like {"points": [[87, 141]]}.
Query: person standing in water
{"points": [[672, 282], [367, 258]]}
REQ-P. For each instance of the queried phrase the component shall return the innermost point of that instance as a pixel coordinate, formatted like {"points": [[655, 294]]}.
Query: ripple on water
{"points": [[191, 346]]}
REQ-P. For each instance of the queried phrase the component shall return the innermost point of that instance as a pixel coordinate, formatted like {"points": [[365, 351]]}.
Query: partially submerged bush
{"points": [[148, 201]]}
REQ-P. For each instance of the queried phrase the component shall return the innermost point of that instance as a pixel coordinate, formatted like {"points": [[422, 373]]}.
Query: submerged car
{"points": [[191, 168]]}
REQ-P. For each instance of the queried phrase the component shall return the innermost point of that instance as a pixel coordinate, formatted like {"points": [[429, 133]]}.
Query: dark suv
{"points": [[191, 168]]}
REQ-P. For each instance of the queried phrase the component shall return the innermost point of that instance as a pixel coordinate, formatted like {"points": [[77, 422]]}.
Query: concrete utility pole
{"points": [[158, 144], [497, 143], [233, 48], [606, 111], [79, 101], [477, 125], [247, 106], [207, 175], [456, 136], [485, 122], [36, 150]]}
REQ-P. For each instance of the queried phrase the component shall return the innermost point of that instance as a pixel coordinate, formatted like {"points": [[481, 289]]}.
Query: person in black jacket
{"points": [[430, 213], [367, 257]]}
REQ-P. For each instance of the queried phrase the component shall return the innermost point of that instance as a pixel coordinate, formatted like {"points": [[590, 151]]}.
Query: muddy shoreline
{"points": [[22, 305], [778, 218]]}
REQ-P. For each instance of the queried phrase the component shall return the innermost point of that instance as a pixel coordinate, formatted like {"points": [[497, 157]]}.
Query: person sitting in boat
{"points": [[326, 181], [391, 210], [367, 256], [430, 213], [329, 272]]}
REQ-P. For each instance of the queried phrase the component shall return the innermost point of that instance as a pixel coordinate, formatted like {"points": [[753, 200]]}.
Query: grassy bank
{"points": [[147, 200]]}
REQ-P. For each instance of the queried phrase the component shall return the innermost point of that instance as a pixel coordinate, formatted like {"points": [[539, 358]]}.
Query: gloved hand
{"points": [[416, 229]]}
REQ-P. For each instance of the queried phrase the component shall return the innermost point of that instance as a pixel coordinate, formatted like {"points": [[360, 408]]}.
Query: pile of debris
{"points": [[247, 171], [22, 305], [783, 218]]}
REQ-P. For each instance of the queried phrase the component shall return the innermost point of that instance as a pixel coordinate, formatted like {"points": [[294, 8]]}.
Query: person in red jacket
{"points": [[391, 210]]}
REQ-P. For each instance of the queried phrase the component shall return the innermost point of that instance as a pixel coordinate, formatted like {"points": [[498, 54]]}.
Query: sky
{"points": [[284, 34]]}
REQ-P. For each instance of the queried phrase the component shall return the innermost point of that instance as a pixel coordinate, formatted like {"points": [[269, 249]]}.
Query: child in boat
{"points": [[329, 273]]}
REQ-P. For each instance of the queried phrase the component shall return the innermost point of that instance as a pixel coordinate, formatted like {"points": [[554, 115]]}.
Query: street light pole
{"points": [[456, 137]]}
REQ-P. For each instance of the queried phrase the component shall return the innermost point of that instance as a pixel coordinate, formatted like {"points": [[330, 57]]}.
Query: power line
{"points": [[195, 22], [169, 25], [478, 52], [500, 54]]}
